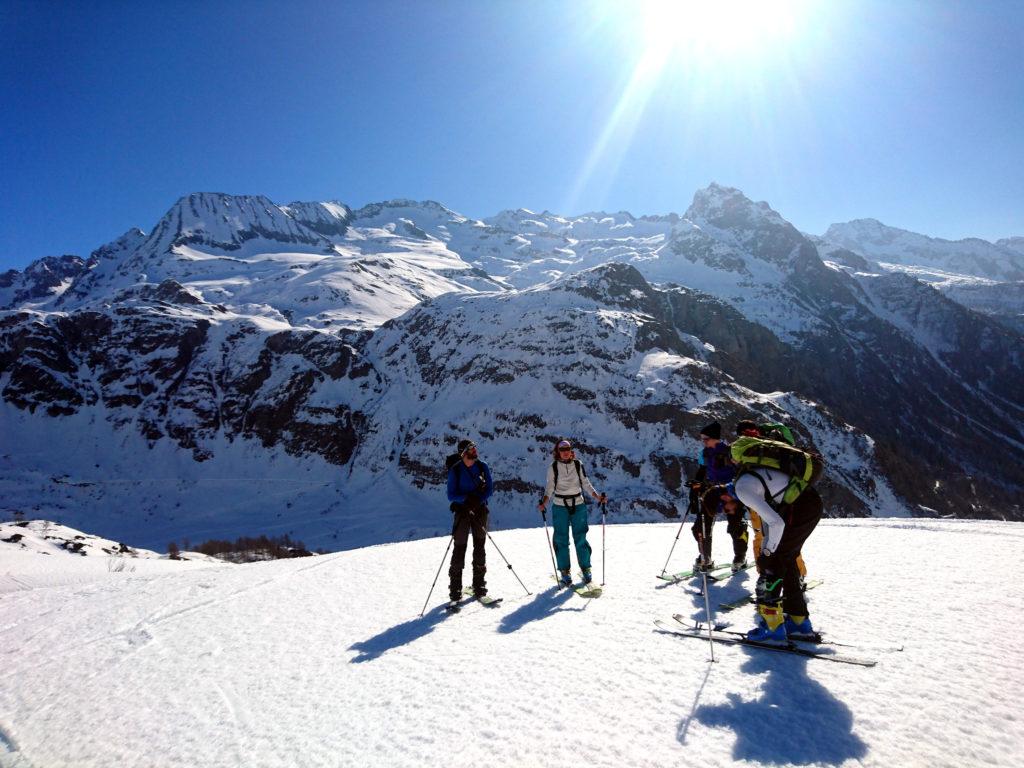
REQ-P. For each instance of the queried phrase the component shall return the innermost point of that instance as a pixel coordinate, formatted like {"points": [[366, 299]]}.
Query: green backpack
{"points": [[803, 467], [776, 431]]}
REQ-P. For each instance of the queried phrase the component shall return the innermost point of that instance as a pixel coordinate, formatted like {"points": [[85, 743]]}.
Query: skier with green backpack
{"points": [[774, 480]]}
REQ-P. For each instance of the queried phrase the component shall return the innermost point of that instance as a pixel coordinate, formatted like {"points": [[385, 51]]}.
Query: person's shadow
{"points": [[796, 720], [544, 604], [398, 635]]}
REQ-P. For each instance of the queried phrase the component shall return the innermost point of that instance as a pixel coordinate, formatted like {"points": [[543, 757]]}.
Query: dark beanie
{"points": [[713, 430]]}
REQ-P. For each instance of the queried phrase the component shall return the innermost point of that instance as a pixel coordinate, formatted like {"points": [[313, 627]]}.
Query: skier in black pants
{"points": [[721, 498], [781, 606], [469, 488]]}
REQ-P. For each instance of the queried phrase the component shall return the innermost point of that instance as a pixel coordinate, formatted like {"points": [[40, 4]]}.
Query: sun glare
{"points": [[716, 27], [689, 52]]}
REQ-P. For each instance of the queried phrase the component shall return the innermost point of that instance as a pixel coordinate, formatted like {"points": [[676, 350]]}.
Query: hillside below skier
{"points": [[566, 481]]}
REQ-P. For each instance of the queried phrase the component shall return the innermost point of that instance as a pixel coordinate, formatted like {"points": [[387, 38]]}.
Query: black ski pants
{"points": [[467, 521], [779, 571], [736, 527]]}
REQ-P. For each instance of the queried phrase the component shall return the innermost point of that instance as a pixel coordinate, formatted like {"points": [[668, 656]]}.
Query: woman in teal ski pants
{"points": [[566, 482]]}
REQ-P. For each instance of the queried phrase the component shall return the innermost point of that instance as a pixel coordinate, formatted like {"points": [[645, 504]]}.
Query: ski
{"points": [[583, 590], [749, 600], [674, 577], [588, 590], [815, 640], [487, 600], [730, 573], [810, 653]]}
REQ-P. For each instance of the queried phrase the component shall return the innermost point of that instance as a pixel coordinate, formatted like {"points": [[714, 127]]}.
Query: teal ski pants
{"points": [[561, 521]]}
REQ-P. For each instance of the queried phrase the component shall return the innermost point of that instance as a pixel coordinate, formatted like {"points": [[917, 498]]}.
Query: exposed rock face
{"points": [[42, 280]]}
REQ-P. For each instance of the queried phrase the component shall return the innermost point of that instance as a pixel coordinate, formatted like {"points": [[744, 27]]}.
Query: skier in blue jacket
{"points": [[469, 488], [715, 468]]}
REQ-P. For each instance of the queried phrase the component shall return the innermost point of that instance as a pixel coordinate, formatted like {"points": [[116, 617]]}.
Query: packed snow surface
{"points": [[325, 661]]}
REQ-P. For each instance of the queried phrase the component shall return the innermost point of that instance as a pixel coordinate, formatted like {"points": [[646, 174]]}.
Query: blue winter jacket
{"points": [[463, 480], [717, 462]]}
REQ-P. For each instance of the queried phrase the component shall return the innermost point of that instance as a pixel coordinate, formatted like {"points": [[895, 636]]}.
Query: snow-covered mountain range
{"points": [[251, 367]]}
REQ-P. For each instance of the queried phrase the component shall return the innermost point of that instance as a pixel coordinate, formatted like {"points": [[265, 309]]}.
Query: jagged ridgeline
{"points": [[305, 368]]}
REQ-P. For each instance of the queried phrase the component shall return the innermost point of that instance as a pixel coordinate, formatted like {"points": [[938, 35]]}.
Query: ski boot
{"points": [[566, 579], [587, 576], [738, 565], [771, 626], [799, 628], [700, 564]]}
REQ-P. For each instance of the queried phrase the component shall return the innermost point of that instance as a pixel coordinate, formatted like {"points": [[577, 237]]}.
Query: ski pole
{"points": [[604, 512], [707, 599], [689, 509], [551, 551], [707, 610], [450, 540], [508, 564]]}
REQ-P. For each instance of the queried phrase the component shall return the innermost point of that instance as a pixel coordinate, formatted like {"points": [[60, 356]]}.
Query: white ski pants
{"points": [[751, 491]]}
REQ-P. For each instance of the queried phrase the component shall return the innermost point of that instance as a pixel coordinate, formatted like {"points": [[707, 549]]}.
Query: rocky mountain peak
{"points": [[43, 279], [330, 218], [727, 207], [226, 222]]}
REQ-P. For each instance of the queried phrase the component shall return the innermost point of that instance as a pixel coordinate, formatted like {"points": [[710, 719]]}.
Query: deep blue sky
{"points": [[912, 113]]}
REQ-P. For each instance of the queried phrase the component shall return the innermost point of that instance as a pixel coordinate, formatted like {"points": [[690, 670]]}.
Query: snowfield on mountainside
{"points": [[325, 660]]}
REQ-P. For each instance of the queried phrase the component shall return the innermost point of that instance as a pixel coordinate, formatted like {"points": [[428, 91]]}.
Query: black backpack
{"points": [[451, 461]]}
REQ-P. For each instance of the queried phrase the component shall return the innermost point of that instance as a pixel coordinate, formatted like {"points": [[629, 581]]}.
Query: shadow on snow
{"points": [[796, 720], [398, 635], [544, 604]]}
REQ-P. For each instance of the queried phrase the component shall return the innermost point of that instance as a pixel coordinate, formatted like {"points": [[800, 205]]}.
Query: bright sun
{"points": [[716, 28], [688, 51]]}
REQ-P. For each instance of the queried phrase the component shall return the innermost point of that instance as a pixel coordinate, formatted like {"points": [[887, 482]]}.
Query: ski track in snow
{"points": [[326, 662]]}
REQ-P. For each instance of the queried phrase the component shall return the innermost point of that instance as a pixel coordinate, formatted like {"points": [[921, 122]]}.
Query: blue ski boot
{"points": [[770, 628], [566, 580], [799, 628], [587, 577]]}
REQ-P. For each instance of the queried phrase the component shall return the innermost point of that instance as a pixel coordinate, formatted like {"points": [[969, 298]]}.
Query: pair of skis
{"points": [[816, 647], [583, 590], [490, 602], [717, 573]]}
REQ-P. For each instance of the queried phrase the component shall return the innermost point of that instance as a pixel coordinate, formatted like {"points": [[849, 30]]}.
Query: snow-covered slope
{"points": [[630, 371], [311, 662], [985, 277], [42, 282], [41, 553], [996, 261], [304, 264]]}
